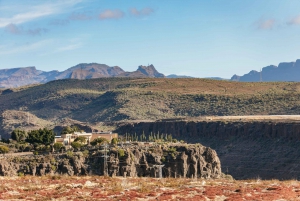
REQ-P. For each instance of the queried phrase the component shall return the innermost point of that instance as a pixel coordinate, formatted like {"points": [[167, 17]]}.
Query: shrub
{"points": [[121, 152], [99, 141], [81, 139], [18, 135], [70, 129], [76, 145], [114, 141], [20, 174], [58, 146], [70, 154], [4, 149], [85, 153], [172, 150], [53, 167]]}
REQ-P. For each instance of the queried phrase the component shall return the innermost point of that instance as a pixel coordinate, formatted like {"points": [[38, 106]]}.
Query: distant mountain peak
{"points": [[285, 71], [150, 71], [16, 77]]}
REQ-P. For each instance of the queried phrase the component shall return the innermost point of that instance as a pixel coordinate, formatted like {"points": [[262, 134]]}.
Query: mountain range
{"points": [[286, 71], [17, 77]]}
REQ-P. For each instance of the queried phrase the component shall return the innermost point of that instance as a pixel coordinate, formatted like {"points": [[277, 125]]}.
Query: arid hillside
{"points": [[107, 99], [145, 99]]}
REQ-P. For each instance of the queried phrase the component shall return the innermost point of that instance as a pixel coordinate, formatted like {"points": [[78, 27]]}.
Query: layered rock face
{"points": [[247, 150], [154, 161], [193, 130], [176, 161]]}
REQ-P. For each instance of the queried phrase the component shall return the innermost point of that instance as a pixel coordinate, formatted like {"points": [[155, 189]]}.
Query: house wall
{"points": [[109, 137]]}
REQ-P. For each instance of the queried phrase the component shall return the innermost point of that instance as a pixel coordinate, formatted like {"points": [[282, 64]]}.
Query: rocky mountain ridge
{"points": [[17, 77], [286, 71]]}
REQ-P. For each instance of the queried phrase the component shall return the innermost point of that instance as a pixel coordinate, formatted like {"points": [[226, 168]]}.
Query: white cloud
{"points": [[35, 12], [24, 17], [143, 12], [111, 14], [294, 21], [266, 24]]}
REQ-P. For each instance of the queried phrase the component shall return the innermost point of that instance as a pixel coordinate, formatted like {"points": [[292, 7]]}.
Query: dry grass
{"points": [[105, 188]]}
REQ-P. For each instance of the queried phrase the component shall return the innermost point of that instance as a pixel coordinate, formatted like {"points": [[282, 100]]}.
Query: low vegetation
{"points": [[106, 188], [115, 99]]}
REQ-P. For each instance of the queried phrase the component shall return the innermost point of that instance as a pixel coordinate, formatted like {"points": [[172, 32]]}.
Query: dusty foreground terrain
{"points": [[106, 188]]}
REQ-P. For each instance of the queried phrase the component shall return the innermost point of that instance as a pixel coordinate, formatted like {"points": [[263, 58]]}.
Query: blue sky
{"points": [[199, 38]]}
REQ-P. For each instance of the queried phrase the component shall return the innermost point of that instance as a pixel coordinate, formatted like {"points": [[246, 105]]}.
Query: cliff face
{"points": [[142, 161], [247, 150], [196, 130], [286, 71]]}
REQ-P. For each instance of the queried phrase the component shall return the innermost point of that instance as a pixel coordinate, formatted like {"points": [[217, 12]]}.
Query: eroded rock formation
{"points": [[176, 160]]}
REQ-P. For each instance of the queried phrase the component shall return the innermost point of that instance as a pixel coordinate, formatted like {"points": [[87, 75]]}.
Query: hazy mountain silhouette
{"points": [[17, 77], [286, 71]]}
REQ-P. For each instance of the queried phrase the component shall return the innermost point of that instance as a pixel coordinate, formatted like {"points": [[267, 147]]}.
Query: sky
{"points": [[199, 38]]}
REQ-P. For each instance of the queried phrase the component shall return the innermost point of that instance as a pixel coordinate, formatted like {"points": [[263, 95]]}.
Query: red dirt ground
{"points": [[106, 188]]}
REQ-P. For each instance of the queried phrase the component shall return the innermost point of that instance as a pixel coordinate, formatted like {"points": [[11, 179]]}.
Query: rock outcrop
{"points": [[175, 160]]}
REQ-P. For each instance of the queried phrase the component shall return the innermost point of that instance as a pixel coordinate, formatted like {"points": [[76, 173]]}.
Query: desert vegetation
{"points": [[106, 188], [114, 99]]}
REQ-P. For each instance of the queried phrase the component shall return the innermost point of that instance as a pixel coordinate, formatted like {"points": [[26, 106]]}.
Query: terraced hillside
{"points": [[116, 99]]}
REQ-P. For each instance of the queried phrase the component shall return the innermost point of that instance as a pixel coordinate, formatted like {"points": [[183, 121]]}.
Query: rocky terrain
{"points": [[247, 149], [185, 108], [286, 71], [148, 189], [16, 77], [135, 99], [193, 161]]}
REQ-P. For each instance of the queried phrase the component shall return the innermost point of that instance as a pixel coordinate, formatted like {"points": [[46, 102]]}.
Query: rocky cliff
{"points": [[247, 150], [286, 71], [143, 161]]}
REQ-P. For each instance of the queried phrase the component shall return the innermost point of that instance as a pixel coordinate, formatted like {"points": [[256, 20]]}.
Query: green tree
{"points": [[81, 139], [18, 135], [4, 149], [41, 136], [70, 129], [114, 141], [57, 146], [76, 145], [99, 141], [121, 152]]}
